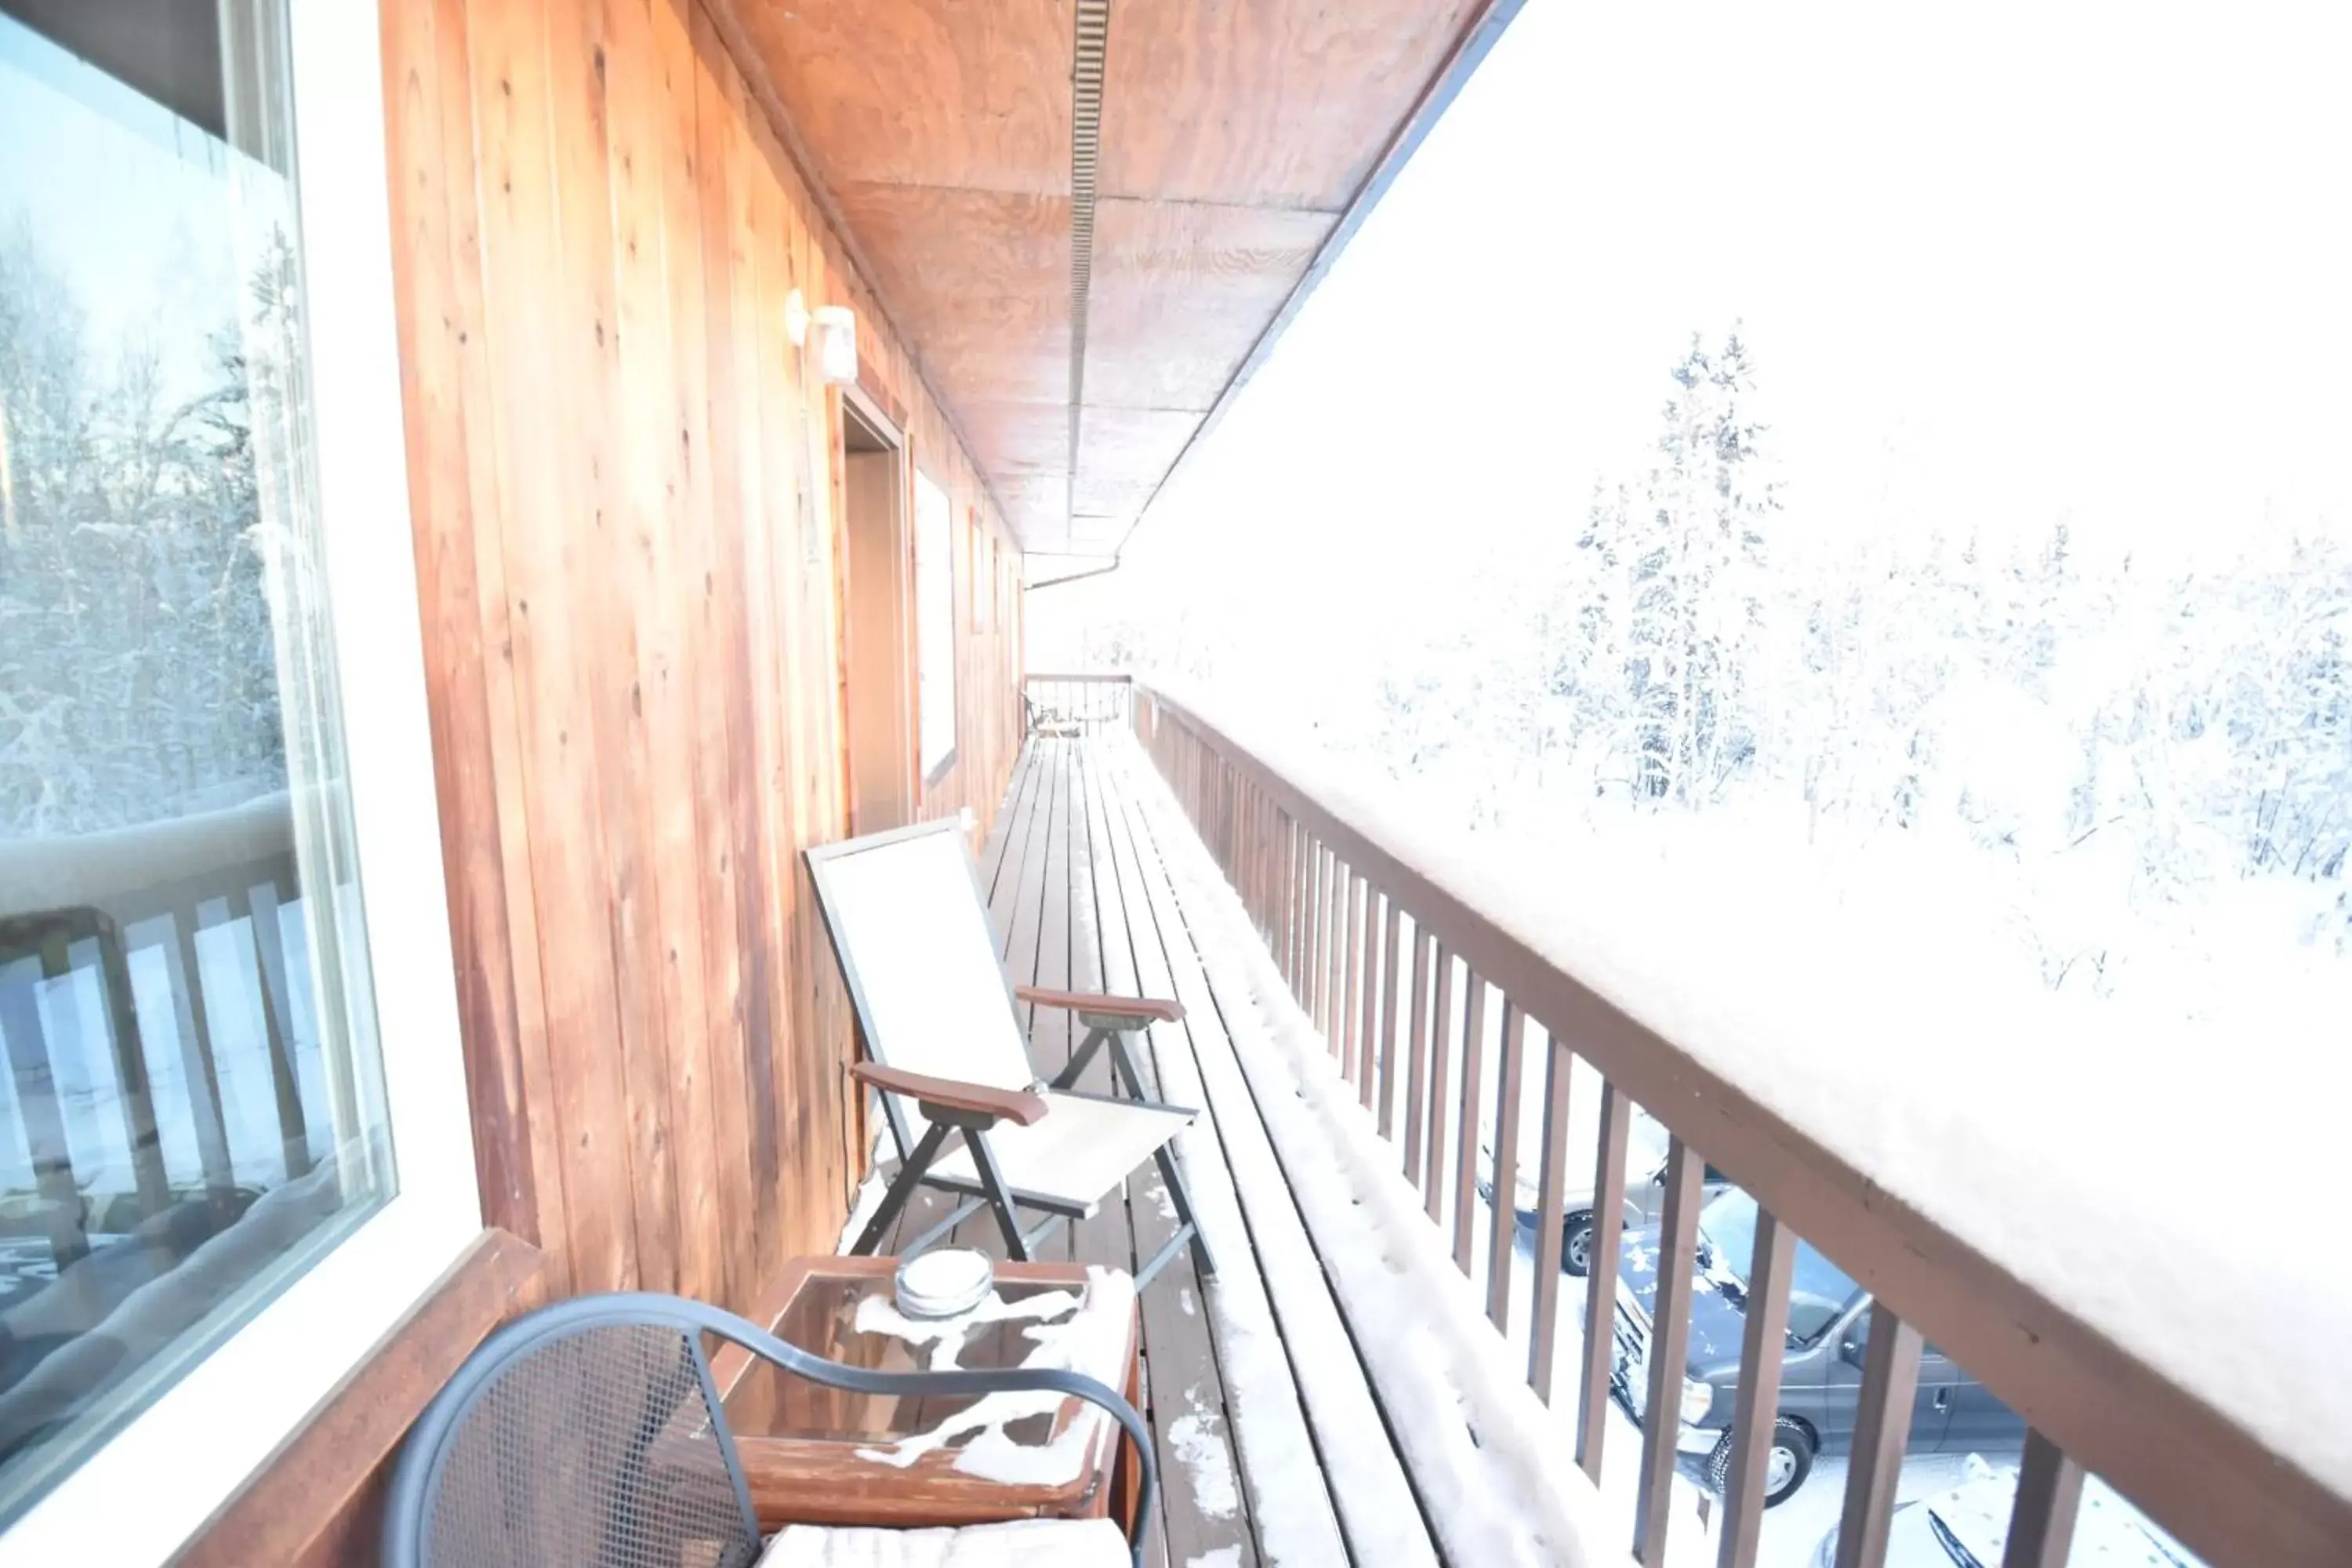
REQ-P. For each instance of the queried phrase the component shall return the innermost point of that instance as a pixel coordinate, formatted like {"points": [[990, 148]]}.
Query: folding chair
{"points": [[1050, 721], [939, 1025]]}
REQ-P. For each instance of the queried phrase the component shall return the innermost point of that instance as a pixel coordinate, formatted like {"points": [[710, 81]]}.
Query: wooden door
{"points": [[877, 666]]}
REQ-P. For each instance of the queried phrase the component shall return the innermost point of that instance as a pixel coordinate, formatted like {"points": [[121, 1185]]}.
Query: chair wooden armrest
{"points": [[1107, 1006], [1004, 1104]]}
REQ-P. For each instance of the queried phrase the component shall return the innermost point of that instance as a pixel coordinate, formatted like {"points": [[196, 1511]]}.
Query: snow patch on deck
{"points": [[1193, 1437]]}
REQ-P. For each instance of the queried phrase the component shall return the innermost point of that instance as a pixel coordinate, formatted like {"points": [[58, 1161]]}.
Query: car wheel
{"points": [[1785, 1468], [1575, 1244]]}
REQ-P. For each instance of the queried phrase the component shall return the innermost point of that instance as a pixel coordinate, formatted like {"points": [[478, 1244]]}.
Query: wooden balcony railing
{"points": [[1076, 704], [99, 1122], [1329, 899]]}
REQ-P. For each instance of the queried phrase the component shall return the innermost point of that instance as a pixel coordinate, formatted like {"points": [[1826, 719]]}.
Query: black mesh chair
{"points": [[590, 1435]]}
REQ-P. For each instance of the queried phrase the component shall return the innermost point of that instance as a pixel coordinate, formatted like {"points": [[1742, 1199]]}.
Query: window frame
{"points": [[931, 772], [191, 1449]]}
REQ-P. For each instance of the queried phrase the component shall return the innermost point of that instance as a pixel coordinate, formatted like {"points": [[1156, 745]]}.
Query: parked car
{"points": [[1645, 1175], [1820, 1371], [1968, 1527]]}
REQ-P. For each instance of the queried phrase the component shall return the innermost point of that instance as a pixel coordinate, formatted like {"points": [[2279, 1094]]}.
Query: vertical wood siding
{"points": [[628, 505]]}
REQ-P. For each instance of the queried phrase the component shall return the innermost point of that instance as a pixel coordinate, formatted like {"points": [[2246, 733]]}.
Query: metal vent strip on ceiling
{"points": [[1086, 151]]}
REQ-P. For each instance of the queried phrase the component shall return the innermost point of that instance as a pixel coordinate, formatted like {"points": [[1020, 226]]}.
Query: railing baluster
{"points": [[1237, 816], [1229, 829], [1416, 1072], [1335, 909], [1253, 815], [293, 1130], [1278, 888], [1365, 995], [1282, 850], [1465, 1152], [2042, 1520], [1351, 951], [1310, 927], [1335, 931], [1669, 1352], [1246, 829], [1312, 961], [1503, 1216], [1328, 964], [29, 1056], [1287, 950], [1245, 826], [1601, 1277], [1391, 936], [1362, 991], [1257, 861], [1335, 928], [1318, 894], [1259, 865], [1277, 873], [1299, 841], [1269, 869], [1890, 1377], [1559, 1068], [1441, 1031], [1757, 1405]]}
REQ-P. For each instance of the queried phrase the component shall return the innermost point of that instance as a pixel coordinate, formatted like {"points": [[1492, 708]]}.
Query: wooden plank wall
{"points": [[626, 494]]}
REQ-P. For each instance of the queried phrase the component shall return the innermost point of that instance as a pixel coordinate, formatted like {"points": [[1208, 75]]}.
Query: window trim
{"points": [[934, 772], [191, 1450]]}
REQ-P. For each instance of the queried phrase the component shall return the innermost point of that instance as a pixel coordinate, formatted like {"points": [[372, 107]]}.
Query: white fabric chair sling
{"points": [[939, 1030]]}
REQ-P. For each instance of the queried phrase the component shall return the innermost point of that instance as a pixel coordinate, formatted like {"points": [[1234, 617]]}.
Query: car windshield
{"points": [[1819, 1290]]}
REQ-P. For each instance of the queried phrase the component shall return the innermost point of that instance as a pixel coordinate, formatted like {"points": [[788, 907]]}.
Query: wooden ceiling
{"points": [[1240, 142]]}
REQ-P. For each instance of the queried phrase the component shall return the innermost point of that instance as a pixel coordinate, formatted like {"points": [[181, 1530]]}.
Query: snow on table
{"points": [[1086, 1334]]}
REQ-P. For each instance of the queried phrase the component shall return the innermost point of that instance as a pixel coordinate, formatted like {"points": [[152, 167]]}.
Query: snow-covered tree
{"points": [[1672, 611], [138, 672]]}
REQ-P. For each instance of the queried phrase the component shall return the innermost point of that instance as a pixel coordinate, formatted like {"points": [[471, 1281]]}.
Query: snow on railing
{"points": [[1424, 971]]}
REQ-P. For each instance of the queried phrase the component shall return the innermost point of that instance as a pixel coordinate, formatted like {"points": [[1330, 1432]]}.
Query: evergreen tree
{"points": [[1678, 585]]}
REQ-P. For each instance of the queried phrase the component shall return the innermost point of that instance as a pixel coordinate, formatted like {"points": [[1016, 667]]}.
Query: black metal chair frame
{"points": [[417, 1483], [990, 1191]]}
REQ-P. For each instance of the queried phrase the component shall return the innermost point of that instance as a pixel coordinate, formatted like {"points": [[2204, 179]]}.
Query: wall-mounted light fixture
{"points": [[836, 335], [836, 328]]}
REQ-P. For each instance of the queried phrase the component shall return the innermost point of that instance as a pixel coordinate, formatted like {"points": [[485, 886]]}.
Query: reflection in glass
{"points": [[191, 1100]]}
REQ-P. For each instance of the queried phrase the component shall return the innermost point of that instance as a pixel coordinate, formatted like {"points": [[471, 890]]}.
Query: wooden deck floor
{"points": [[1081, 898]]}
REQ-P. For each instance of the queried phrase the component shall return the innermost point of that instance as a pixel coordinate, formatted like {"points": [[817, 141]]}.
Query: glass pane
{"points": [[191, 1103]]}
